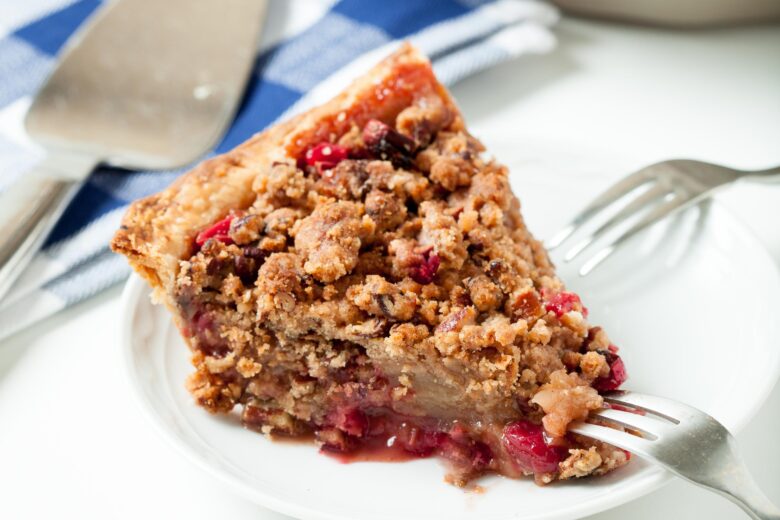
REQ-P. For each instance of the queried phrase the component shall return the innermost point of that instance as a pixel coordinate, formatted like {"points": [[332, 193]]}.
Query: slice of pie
{"points": [[362, 273]]}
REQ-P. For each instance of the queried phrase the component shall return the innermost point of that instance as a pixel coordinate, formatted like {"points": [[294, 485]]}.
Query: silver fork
{"points": [[684, 440], [671, 186]]}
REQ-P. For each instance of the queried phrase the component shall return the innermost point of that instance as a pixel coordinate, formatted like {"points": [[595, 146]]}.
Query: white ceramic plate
{"points": [[692, 303]]}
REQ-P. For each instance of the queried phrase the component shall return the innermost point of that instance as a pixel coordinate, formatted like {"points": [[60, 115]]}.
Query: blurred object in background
{"points": [[677, 13]]}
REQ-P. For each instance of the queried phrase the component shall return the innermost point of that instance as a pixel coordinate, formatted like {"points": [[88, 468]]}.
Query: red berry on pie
{"points": [[563, 302], [526, 444], [425, 270], [218, 231], [326, 155], [617, 375]]}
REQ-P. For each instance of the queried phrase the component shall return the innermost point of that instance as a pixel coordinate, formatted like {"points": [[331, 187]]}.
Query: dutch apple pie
{"points": [[361, 274]]}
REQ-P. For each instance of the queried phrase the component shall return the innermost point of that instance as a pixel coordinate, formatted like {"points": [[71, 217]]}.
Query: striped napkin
{"points": [[310, 50]]}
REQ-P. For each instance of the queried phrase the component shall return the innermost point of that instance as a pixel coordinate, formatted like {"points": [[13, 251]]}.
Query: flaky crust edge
{"points": [[158, 231]]}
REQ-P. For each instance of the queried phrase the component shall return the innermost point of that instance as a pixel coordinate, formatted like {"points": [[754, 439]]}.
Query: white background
{"points": [[72, 441]]}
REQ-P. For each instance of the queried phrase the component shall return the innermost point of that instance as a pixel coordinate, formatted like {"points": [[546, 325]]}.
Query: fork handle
{"points": [[30, 208], [748, 496], [771, 175], [734, 482]]}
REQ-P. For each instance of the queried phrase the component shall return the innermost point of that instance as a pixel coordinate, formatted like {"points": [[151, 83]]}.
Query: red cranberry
{"points": [[219, 231], [563, 302], [617, 375], [204, 328], [418, 441], [426, 269], [383, 142], [524, 441], [325, 155], [483, 455], [202, 323], [464, 452], [350, 420]]}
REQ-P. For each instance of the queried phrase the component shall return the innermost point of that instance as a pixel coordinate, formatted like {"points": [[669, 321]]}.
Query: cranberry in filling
{"points": [[350, 420], [352, 435], [419, 441], [469, 456], [617, 373], [525, 443], [204, 329]]}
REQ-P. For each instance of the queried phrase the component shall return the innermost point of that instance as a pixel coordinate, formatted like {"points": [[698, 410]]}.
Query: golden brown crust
{"points": [[157, 231]]}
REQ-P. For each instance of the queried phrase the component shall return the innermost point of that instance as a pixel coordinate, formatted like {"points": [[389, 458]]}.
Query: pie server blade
{"points": [[143, 84]]}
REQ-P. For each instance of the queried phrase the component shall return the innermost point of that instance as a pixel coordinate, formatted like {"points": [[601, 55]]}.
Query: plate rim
{"points": [[133, 295]]}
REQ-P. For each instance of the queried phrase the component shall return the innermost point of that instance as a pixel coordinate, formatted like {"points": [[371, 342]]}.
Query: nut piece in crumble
{"points": [[363, 274]]}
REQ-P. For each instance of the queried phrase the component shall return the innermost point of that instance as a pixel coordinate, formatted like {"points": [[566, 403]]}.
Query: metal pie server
{"points": [[145, 84]]}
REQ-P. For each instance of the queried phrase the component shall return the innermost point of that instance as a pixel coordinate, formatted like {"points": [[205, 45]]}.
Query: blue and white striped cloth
{"points": [[304, 42]]}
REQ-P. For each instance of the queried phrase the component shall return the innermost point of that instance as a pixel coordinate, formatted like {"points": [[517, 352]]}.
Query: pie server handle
{"points": [[31, 206]]}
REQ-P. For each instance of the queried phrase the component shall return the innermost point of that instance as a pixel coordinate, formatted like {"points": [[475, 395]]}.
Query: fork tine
{"points": [[701, 451], [649, 196], [612, 194], [647, 425], [667, 408], [667, 209], [624, 440]]}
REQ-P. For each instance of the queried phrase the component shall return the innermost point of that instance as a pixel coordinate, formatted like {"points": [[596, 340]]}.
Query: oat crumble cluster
{"points": [[362, 273]]}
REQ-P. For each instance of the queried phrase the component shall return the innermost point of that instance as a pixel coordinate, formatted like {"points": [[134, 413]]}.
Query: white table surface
{"points": [[73, 443]]}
